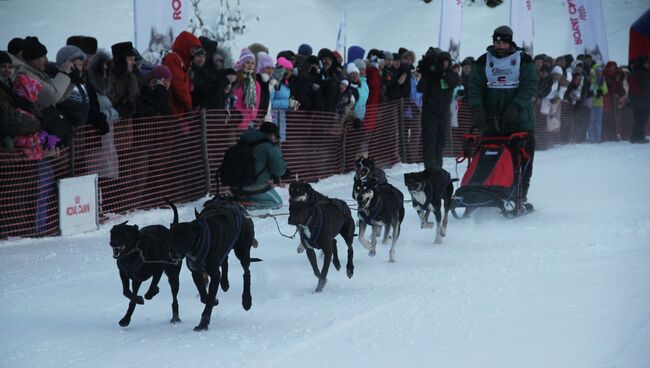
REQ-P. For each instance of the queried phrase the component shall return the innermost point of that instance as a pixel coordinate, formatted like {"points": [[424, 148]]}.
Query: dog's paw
{"points": [[125, 321], [429, 225], [255, 243], [151, 293], [225, 285], [350, 271], [246, 302], [175, 319], [387, 240], [137, 299], [438, 240], [372, 252], [300, 248], [321, 284], [201, 327]]}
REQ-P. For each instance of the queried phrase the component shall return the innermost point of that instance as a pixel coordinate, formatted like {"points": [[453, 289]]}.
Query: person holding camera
{"points": [[437, 83], [502, 88]]}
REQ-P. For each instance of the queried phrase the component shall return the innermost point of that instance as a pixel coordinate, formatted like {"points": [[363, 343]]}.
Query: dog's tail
{"points": [[173, 209], [256, 260]]}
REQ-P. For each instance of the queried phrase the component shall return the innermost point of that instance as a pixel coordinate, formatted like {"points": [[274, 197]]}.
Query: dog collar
{"points": [[373, 211]]}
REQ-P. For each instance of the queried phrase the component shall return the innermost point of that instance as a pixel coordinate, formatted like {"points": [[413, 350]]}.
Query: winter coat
{"points": [[12, 122], [76, 106], [303, 89], [495, 101], [280, 96], [268, 160], [329, 89], [437, 89], [640, 89], [53, 89], [103, 112], [363, 91], [265, 95], [124, 91], [205, 87], [178, 61], [248, 113], [598, 90]]}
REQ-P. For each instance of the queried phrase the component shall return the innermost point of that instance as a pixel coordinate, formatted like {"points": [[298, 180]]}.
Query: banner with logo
{"points": [[451, 26], [521, 22], [156, 25], [587, 23], [78, 204]]}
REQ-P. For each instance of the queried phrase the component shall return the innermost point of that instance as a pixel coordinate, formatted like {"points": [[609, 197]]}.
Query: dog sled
{"points": [[495, 169]]}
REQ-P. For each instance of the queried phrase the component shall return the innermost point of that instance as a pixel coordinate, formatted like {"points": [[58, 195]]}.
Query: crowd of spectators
{"points": [[42, 101]]}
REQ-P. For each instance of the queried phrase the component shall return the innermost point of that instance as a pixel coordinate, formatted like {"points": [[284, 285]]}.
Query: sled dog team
{"points": [[223, 226]]}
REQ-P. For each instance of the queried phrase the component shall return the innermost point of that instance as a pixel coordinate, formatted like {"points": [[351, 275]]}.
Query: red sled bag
{"points": [[494, 170]]}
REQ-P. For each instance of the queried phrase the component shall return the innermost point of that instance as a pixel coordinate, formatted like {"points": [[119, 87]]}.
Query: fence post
{"points": [[400, 127], [344, 145], [204, 146], [73, 157]]}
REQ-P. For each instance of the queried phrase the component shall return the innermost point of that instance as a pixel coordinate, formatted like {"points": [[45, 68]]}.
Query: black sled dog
{"points": [[431, 190], [142, 254], [366, 171], [380, 205], [205, 242], [319, 220]]}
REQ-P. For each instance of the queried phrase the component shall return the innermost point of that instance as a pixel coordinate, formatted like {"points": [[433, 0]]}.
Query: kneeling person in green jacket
{"points": [[269, 165]]}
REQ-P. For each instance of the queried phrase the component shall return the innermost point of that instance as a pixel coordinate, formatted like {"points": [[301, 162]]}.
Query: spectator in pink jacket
{"points": [[247, 89]]}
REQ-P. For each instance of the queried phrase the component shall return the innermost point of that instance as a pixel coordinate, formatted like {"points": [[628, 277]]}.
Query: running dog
{"points": [[319, 220], [430, 190], [379, 205], [206, 242], [365, 170], [142, 254]]}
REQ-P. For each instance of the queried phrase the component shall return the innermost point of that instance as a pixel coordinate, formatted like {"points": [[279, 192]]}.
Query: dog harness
{"points": [[428, 192], [310, 242], [205, 244], [374, 212], [132, 267]]}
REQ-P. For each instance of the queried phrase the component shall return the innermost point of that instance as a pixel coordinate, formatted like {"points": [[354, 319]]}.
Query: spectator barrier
{"points": [[177, 157]]}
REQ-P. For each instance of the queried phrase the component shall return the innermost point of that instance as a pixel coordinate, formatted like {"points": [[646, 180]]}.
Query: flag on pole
{"points": [[522, 24], [341, 38], [587, 23], [451, 25]]}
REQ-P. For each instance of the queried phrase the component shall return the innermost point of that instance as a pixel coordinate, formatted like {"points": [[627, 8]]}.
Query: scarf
{"points": [[249, 93]]}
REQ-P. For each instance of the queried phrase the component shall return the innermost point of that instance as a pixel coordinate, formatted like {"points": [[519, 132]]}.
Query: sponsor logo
{"points": [[177, 6], [78, 208]]}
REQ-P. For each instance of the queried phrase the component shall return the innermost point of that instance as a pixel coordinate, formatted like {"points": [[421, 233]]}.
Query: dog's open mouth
{"points": [[364, 202], [117, 251]]}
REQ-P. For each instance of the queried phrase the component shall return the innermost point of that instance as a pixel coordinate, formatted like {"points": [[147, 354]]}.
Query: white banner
{"points": [[521, 22], [587, 23], [78, 204], [451, 26], [341, 37], [156, 24]]}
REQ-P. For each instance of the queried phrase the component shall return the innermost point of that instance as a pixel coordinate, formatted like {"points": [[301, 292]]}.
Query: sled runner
{"points": [[495, 168]]}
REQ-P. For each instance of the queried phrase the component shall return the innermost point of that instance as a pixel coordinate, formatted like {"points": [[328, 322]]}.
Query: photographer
{"points": [[436, 85]]}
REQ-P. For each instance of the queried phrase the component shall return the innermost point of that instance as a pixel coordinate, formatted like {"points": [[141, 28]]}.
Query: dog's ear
{"points": [[136, 227], [196, 213], [124, 223]]}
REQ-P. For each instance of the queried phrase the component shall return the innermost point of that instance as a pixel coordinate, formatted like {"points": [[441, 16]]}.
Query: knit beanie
{"points": [[15, 46], [69, 53], [5, 58], [304, 49], [33, 48], [285, 63], [351, 68], [557, 70], [161, 71], [356, 52], [245, 54], [265, 61], [502, 33], [360, 64], [337, 56]]}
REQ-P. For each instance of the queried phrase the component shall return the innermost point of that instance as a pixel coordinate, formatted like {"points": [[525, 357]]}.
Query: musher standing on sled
{"points": [[502, 89]]}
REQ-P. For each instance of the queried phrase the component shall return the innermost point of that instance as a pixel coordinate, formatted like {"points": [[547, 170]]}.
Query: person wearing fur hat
{"points": [[76, 105], [502, 86], [123, 86], [268, 163], [246, 89], [179, 61]]}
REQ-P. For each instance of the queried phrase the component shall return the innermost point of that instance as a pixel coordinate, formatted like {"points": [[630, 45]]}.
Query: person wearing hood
{"points": [[437, 84], [329, 80], [502, 86], [75, 107], [179, 61]]}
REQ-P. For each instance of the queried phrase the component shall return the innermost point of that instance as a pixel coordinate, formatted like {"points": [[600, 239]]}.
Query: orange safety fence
{"points": [[143, 161]]}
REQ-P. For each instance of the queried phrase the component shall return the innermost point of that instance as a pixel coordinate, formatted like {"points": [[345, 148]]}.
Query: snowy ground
{"points": [[566, 286]]}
